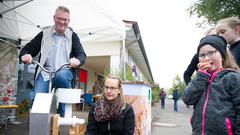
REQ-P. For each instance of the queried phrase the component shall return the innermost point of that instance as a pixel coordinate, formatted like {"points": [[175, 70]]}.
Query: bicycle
{"points": [[42, 111]]}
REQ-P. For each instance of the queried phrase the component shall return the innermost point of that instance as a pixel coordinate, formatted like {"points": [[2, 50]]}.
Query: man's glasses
{"points": [[61, 19], [209, 54], [110, 88]]}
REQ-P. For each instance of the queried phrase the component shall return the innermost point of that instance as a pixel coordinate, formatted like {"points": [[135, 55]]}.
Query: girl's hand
{"points": [[204, 66]]}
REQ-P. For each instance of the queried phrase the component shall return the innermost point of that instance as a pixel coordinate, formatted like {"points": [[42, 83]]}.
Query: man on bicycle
{"points": [[56, 45]]}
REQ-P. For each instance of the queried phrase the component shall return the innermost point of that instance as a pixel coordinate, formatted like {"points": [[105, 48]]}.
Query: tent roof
{"points": [[91, 19], [136, 48]]}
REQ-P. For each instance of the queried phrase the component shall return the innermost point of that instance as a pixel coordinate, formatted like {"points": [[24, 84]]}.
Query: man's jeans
{"points": [[62, 79]]}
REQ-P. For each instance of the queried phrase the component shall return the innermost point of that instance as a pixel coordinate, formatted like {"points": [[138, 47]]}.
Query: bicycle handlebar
{"points": [[49, 71]]}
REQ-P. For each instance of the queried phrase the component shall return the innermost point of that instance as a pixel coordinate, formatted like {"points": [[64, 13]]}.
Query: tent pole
{"points": [[15, 7], [8, 43], [124, 65]]}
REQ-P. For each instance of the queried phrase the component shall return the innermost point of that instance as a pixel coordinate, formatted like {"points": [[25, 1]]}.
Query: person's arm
{"points": [[196, 88], [32, 48], [91, 125], [77, 49], [192, 67], [129, 122], [234, 86]]}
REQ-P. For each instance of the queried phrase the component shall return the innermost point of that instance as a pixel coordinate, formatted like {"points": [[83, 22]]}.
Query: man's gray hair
{"points": [[64, 9]]}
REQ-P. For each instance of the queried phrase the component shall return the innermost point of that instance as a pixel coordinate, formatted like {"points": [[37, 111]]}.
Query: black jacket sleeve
{"points": [[234, 83], [192, 67], [33, 47], [195, 89], [77, 49], [129, 121]]}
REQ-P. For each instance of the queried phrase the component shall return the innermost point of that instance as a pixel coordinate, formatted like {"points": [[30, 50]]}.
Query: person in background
{"points": [[175, 98], [229, 28], [162, 96], [192, 67], [111, 115], [96, 87], [56, 45], [215, 90]]}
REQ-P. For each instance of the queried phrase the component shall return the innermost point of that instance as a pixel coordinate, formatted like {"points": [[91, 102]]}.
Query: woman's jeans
{"points": [[62, 79]]}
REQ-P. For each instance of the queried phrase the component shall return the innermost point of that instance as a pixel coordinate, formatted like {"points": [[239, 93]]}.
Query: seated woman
{"points": [[111, 114]]}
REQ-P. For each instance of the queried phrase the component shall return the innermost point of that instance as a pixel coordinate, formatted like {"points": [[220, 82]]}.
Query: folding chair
{"points": [[87, 100]]}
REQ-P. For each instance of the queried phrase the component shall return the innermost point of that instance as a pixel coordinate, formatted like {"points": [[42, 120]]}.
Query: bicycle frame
{"points": [[44, 106], [50, 73]]}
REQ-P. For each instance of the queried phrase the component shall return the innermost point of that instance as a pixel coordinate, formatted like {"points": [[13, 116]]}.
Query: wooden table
{"points": [[9, 106], [5, 114]]}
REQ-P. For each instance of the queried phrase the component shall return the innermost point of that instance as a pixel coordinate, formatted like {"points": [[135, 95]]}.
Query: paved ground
{"points": [[164, 121], [167, 122], [23, 128]]}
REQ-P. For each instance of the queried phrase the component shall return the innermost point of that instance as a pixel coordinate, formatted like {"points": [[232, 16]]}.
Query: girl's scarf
{"points": [[104, 111]]}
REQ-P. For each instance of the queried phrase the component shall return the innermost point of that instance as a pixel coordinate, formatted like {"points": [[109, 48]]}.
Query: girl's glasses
{"points": [[209, 54]]}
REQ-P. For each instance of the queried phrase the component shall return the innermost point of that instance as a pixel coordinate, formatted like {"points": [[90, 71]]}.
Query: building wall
{"points": [[115, 64], [91, 79], [111, 49], [102, 48], [131, 62]]}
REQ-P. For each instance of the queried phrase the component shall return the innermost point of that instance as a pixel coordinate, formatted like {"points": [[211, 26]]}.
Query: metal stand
{"points": [[41, 114], [44, 107]]}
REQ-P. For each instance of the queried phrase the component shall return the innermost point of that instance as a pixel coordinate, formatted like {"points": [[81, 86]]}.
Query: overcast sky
{"points": [[169, 35]]}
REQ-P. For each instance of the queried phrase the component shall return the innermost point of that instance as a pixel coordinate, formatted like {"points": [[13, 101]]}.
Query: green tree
{"points": [[155, 93], [214, 10], [119, 72], [177, 83]]}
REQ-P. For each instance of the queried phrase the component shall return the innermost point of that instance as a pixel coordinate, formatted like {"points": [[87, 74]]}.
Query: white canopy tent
{"points": [[92, 20]]}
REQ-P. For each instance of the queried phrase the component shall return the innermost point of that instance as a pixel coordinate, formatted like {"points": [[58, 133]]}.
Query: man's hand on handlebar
{"points": [[74, 63], [26, 59]]}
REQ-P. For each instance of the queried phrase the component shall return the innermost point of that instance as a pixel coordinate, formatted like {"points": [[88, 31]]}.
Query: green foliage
{"points": [[129, 75], [155, 93], [106, 71], [214, 10], [177, 84], [23, 109]]}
